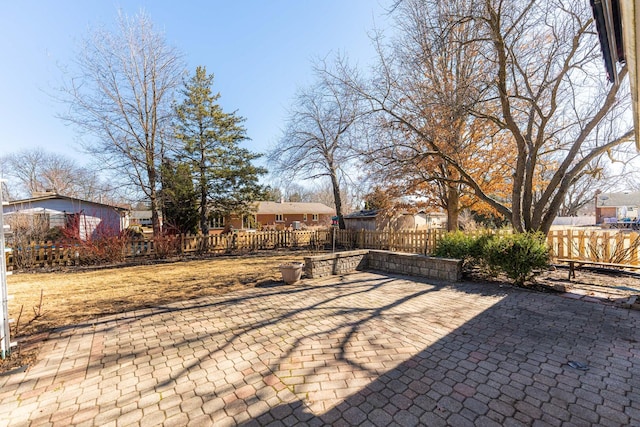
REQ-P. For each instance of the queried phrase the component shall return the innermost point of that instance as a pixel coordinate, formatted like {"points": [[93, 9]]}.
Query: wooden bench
{"points": [[575, 264]]}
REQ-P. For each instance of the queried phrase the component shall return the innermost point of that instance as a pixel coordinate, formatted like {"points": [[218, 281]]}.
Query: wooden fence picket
{"points": [[589, 245]]}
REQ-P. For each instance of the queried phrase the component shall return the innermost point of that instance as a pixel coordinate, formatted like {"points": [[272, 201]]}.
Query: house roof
{"points": [[142, 214], [627, 198], [618, 27], [293, 208], [59, 196], [35, 211], [370, 213], [373, 213]]}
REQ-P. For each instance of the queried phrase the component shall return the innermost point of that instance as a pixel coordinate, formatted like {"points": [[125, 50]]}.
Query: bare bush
{"points": [[26, 231], [166, 245], [101, 250]]}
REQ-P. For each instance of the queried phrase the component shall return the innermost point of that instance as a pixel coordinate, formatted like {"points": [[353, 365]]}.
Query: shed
{"points": [[376, 219]]}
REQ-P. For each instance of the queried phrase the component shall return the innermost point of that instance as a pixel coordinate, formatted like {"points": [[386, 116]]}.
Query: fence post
{"points": [[633, 248]]}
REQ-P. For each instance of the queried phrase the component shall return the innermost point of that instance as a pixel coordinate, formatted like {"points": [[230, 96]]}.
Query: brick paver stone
{"points": [[362, 349]]}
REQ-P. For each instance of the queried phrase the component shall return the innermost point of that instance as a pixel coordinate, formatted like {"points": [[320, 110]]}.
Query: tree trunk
{"points": [[153, 198], [203, 190], [337, 198], [453, 208], [203, 212], [155, 218]]}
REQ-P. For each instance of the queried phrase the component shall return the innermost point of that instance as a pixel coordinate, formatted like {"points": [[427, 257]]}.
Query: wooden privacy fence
{"points": [[413, 241], [617, 247], [260, 240], [45, 254]]}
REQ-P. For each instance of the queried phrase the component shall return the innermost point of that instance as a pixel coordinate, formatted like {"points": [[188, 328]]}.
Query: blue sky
{"points": [[259, 51]]}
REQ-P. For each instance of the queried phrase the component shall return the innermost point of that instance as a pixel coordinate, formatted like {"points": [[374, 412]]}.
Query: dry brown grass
{"points": [[73, 297], [44, 301]]}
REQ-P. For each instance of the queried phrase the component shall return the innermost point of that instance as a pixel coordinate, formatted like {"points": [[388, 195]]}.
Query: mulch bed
{"points": [[603, 283]]}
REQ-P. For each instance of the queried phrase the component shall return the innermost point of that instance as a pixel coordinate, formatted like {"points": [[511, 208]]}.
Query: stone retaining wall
{"points": [[415, 265], [392, 262], [335, 263]]}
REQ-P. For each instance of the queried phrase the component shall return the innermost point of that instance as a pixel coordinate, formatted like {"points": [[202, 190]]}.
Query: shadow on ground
{"points": [[362, 349]]}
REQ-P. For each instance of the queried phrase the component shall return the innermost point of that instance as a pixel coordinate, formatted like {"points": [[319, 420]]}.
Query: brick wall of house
{"points": [[605, 212], [288, 219], [269, 220]]}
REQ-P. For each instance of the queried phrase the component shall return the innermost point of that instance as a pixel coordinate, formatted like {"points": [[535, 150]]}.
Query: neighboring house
{"points": [[278, 215], [143, 218], [87, 219], [612, 207], [574, 221], [375, 219]]}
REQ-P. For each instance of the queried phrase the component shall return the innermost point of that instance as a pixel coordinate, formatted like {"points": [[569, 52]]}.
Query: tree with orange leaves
{"points": [[439, 82], [527, 71]]}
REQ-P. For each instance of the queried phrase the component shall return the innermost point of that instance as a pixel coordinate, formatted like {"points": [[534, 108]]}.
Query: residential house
{"points": [[143, 218], [375, 219], [612, 207], [278, 215], [86, 219]]}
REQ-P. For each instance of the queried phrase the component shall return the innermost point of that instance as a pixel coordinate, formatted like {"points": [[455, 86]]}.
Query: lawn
{"points": [[44, 301], [50, 300]]}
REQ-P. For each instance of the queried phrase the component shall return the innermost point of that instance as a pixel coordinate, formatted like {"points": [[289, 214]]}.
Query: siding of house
{"points": [[95, 220], [403, 221]]}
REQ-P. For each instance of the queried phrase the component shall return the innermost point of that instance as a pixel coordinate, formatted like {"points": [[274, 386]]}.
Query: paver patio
{"points": [[363, 349]]}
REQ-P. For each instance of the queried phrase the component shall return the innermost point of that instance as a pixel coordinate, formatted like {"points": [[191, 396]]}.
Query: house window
{"points": [[216, 221], [249, 221], [304, 217], [314, 217], [279, 218]]}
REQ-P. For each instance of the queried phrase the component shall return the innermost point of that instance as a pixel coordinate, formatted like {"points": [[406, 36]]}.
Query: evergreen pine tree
{"points": [[179, 198], [224, 178]]}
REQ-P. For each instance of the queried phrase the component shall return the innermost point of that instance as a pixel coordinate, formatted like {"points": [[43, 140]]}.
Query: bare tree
{"points": [[317, 137], [122, 98], [294, 192], [319, 192], [36, 171], [322, 192], [600, 177], [540, 87], [552, 101], [25, 168]]}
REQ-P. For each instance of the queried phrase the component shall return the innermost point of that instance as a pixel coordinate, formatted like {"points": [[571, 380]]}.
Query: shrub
{"points": [[166, 245], [455, 245], [27, 231], [104, 249], [55, 234], [462, 246], [517, 255]]}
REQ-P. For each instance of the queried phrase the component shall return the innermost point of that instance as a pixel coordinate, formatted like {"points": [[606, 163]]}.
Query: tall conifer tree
{"points": [[179, 198], [224, 178]]}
